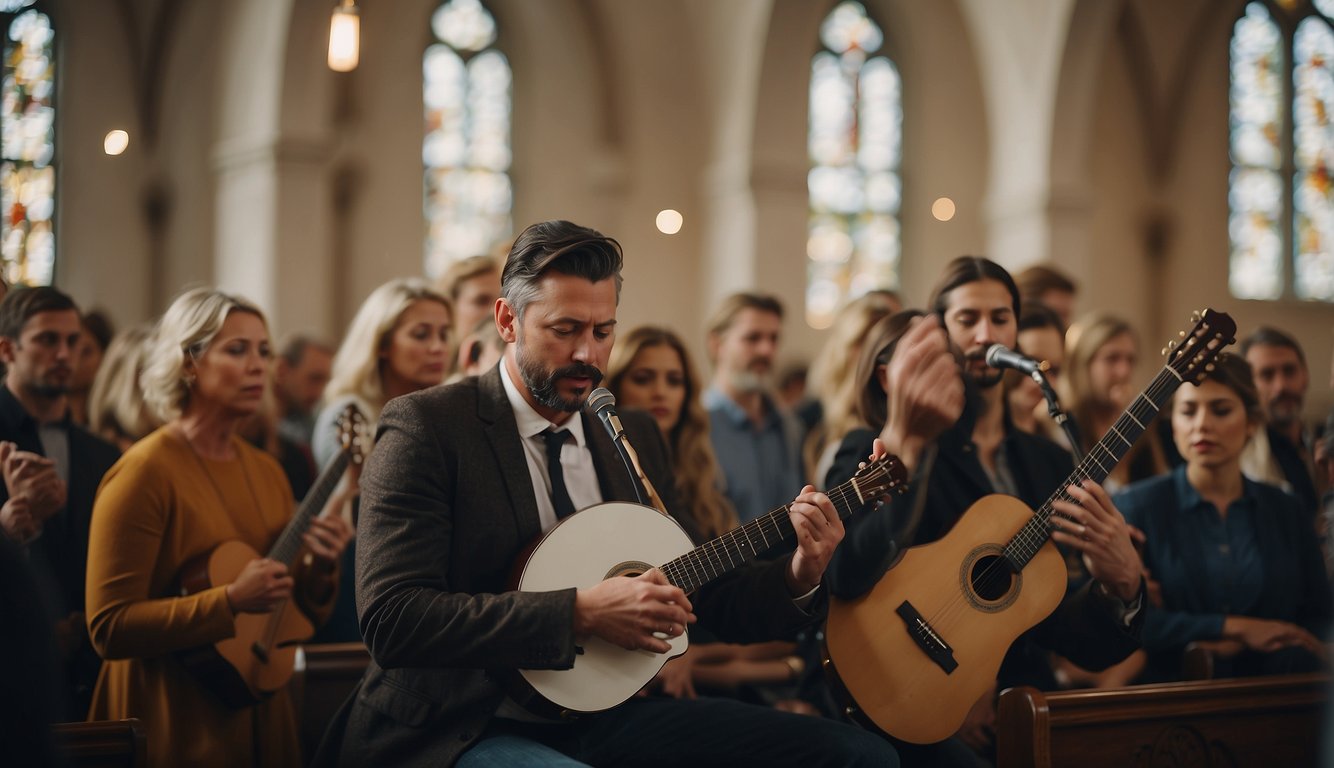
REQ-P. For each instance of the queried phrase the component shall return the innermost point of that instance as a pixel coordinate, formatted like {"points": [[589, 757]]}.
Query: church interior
{"points": [[1166, 156], [1089, 135]]}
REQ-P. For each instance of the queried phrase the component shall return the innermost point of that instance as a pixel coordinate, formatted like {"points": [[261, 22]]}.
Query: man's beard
{"points": [[543, 384], [985, 377], [752, 379], [56, 383], [50, 391], [1285, 409]]}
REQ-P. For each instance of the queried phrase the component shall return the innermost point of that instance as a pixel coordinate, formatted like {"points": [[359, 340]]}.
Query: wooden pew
{"points": [[103, 743], [1260, 721], [325, 675]]}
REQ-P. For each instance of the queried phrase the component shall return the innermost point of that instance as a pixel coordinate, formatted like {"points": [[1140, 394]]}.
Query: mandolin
{"points": [[918, 650], [259, 659]]}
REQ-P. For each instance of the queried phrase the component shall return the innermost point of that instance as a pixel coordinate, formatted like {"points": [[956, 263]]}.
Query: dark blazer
{"points": [[63, 545], [1293, 583], [447, 506], [59, 556], [1084, 628]]}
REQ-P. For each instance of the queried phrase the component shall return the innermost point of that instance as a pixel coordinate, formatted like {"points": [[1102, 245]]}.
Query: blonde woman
{"points": [[116, 408], [833, 381], [651, 371], [1100, 356], [172, 499], [397, 343]]}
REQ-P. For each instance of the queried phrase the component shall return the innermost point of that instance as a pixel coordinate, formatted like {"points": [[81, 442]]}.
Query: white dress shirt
{"points": [[581, 479]]}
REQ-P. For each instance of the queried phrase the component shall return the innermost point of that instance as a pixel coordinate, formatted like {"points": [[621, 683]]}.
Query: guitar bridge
{"points": [[931, 643]]}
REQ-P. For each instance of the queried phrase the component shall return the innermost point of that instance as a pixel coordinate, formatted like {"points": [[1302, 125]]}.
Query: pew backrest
{"points": [[1261, 721]]}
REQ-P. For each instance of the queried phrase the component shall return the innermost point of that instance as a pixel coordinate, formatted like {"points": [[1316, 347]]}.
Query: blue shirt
{"points": [[1251, 562], [761, 466]]}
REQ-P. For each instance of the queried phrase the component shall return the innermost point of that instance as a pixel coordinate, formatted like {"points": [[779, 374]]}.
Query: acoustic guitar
{"points": [[259, 659], [615, 539], [918, 650]]}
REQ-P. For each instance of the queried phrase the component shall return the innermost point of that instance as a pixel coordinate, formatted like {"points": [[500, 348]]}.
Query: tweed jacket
{"points": [[448, 506]]}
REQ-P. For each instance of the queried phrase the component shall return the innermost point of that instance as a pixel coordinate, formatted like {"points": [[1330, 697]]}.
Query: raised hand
{"points": [[632, 611], [819, 530], [261, 585], [924, 390]]}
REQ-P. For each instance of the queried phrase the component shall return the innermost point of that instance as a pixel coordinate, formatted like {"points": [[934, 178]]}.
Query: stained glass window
{"points": [[1281, 222], [27, 145], [854, 144], [466, 150]]}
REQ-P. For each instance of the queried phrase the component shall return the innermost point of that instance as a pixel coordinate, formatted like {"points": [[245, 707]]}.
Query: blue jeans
{"points": [[509, 751], [668, 732]]}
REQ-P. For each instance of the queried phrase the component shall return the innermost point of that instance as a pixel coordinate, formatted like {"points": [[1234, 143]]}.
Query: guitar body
{"points": [[259, 660], [598, 543], [895, 683]]}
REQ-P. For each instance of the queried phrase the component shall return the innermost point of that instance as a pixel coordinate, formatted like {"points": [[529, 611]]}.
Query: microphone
{"points": [[602, 403], [998, 356]]}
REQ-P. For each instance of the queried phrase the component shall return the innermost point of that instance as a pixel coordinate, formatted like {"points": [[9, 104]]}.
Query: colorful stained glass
{"points": [[1313, 154], [27, 151], [466, 151], [1282, 244], [854, 141]]}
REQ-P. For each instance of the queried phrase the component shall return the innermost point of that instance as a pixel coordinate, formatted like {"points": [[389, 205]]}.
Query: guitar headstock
{"points": [[1194, 355], [879, 477], [352, 433]]}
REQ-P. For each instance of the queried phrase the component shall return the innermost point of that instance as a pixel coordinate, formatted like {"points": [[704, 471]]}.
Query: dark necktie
{"points": [[560, 497]]}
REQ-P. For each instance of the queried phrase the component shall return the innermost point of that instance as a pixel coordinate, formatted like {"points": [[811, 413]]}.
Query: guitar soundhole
{"points": [[990, 578]]}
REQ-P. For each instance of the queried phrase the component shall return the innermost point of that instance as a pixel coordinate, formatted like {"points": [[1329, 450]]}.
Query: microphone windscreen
{"points": [[599, 399]]}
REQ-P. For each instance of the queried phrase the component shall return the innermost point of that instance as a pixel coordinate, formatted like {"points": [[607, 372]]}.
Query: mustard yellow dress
{"points": [[159, 507]]}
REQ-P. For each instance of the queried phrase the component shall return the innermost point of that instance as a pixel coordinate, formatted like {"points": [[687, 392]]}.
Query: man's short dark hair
{"points": [[557, 246], [1040, 278], [727, 311], [20, 304], [1037, 316], [294, 349], [98, 325], [971, 269], [1265, 336]]}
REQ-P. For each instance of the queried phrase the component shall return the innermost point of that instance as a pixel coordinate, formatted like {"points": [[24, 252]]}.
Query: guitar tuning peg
{"points": [[1209, 368], [1195, 317], [1181, 334]]}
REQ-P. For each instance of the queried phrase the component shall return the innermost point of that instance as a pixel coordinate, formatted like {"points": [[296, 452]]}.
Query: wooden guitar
{"points": [[259, 659], [926, 642], [624, 539]]}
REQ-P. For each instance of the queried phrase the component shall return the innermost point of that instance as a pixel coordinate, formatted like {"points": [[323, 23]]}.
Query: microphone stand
{"points": [[631, 461], [1057, 415]]}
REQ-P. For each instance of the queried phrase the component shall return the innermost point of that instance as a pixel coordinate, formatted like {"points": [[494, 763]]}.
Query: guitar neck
{"points": [[1101, 459], [743, 544], [287, 546]]}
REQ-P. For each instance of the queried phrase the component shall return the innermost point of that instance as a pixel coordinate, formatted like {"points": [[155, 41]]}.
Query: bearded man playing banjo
{"points": [[465, 476]]}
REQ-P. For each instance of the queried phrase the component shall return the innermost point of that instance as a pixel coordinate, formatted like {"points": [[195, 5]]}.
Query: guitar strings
{"points": [[1035, 533], [704, 563]]}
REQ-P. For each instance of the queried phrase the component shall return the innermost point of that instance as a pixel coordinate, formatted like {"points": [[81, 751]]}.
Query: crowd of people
{"points": [[153, 478]]}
